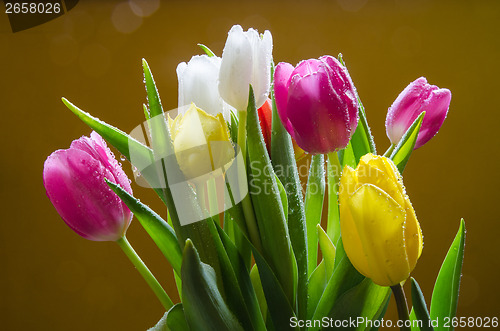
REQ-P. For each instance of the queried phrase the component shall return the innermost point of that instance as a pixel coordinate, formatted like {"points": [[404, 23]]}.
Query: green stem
{"points": [[388, 152], [212, 196], [242, 133], [246, 203], [334, 171], [251, 222], [315, 194], [402, 306], [145, 273]]}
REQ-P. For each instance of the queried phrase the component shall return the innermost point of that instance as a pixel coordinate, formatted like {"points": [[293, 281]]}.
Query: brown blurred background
{"points": [[51, 279]]}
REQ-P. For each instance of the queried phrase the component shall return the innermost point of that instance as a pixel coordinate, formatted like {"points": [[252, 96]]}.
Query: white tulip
{"points": [[198, 81], [246, 60]]}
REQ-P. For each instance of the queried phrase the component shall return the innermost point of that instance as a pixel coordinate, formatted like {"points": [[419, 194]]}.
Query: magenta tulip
{"points": [[74, 182], [417, 97], [317, 103]]}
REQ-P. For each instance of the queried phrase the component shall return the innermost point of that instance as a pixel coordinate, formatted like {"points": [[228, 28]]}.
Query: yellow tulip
{"points": [[201, 142], [380, 231]]}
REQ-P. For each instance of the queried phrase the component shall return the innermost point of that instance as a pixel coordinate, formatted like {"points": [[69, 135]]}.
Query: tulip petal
{"points": [[317, 104], [236, 69], [405, 109], [96, 147], [262, 56], [378, 171], [282, 77], [306, 67], [74, 182], [198, 81], [380, 222], [327, 125], [348, 183], [191, 144], [434, 115], [343, 83], [413, 235], [108, 159], [201, 142], [350, 236], [417, 97]]}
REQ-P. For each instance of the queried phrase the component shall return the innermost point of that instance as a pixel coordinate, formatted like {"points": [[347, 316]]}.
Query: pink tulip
{"points": [[317, 103], [74, 181], [417, 97]]}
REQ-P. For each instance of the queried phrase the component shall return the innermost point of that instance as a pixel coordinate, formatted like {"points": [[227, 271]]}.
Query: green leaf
{"points": [[362, 139], [266, 200], [419, 307], [277, 302], [250, 298], [316, 286], [445, 295], [230, 281], [154, 101], [363, 300], [315, 194], [162, 323], [204, 307], [283, 197], [116, 137], [207, 50], [162, 234], [236, 236], [413, 318], [176, 319], [379, 315], [160, 133], [237, 231], [334, 171], [172, 320], [285, 166], [327, 249], [163, 149], [233, 127], [344, 277], [401, 154], [346, 156], [228, 284], [147, 115], [259, 291]]}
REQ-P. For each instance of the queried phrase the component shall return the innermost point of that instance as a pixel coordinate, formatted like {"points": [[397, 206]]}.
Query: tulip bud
{"points": [[317, 103], [417, 97], [201, 142], [266, 123], [380, 231], [246, 60], [74, 182], [198, 84]]}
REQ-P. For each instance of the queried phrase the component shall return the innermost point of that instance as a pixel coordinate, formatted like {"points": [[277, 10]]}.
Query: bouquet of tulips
{"points": [[246, 244]]}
